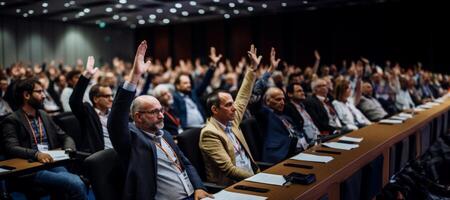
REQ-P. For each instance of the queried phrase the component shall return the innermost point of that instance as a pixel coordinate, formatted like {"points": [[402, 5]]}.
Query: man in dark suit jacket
{"points": [[320, 109], [187, 100], [92, 118], [156, 168], [282, 127], [29, 132]]}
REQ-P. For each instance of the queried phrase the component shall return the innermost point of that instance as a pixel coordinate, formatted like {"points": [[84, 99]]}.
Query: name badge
{"points": [[186, 183], [42, 147], [302, 143]]}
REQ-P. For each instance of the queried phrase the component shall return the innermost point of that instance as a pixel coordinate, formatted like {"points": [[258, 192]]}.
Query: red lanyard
{"points": [[176, 162], [32, 130], [175, 120]]}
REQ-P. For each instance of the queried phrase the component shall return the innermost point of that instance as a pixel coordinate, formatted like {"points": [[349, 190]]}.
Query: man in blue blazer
{"points": [[155, 166], [187, 100]]}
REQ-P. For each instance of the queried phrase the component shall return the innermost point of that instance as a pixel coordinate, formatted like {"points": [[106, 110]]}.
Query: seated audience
{"points": [[369, 105]]}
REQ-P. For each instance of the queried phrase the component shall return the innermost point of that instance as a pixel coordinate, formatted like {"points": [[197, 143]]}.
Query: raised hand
{"points": [[139, 65], [214, 57], [90, 69], [273, 61], [254, 58], [316, 55]]}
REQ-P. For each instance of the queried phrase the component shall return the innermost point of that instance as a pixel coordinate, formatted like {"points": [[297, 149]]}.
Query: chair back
{"points": [[69, 124], [188, 143], [253, 137]]}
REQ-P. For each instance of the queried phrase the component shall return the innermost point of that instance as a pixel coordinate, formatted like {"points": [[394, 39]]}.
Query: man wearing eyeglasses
{"points": [[92, 118], [156, 168], [29, 132]]}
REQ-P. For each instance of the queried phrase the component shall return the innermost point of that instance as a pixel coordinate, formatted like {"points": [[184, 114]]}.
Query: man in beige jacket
{"points": [[225, 152]]}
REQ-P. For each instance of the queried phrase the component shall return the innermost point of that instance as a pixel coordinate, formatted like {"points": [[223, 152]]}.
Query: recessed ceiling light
{"points": [[18, 10], [240, 1], [250, 9], [152, 16], [227, 16], [173, 10], [30, 12], [115, 17], [118, 6], [25, 14], [64, 19], [212, 8], [102, 24], [45, 11], [284, 4], [45, 4], [231, 4], [201, 11], [222, 11], [133, 26], [166, 21], [151, 21], [132, 6], [124, 18], [81, 14], [123, 1], [108, 9], [86, 10], [305, 2], [72, 2], [139, 17], [192, 3], [141, 22], [178, 5], [217, 1], [264, 5], [159, 10], [236, 12], [185, 13], [66, 5], [2, 3]]}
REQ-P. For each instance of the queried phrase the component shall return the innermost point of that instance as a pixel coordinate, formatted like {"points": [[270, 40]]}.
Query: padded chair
{"points": [[69, 123], [253, 137], [106, 173], [188, 143]]}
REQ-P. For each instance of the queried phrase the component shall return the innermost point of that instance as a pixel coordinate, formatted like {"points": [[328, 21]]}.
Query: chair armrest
{"points": [[264, 165], [78, 155]]}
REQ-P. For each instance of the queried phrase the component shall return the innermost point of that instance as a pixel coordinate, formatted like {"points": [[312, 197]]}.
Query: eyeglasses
{"points": [[153, 112], [39, 91]]}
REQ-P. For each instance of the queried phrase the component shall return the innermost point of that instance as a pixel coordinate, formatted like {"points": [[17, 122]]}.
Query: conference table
{"points": [[380, 142]]}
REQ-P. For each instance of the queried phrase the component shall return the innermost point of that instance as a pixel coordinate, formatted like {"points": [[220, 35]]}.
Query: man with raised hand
{"points": [[156, 168]]}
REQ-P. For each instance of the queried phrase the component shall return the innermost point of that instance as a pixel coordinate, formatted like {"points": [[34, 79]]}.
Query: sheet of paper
{"points": [[351, 139], [390, 121], [226, 195], [433, 103], [266, 178], [57, 155], [4, 170], [399, 118], [337, 145], [418, 109], [439, 100], [407, 115], [312, 158], [425, 106]]}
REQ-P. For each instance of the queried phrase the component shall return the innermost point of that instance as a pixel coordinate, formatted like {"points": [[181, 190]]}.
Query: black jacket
{"points": [[319, 115], [18, 139], [90, 125]]}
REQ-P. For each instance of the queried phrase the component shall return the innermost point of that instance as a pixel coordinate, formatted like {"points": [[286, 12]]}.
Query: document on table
{"points": [[57, 155], [272, 179], [312, 158], [425, 106], [399, 118], [337, 145], [390, 121], [350, 139], [418, 109], [439, 100], [432, 103], [4, 170], [226, 195]]}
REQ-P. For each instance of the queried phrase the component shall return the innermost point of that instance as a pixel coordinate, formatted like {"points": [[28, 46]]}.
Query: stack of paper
{"points": [[406, 115], [225, 195], [418, 109], [390, 121], [337, 145], [350, 139], [312, 158], [57, 155], [266, 178], [399, 118]]}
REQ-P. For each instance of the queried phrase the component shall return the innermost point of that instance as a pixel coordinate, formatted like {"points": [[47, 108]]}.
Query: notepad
{"points": [[390, 121], [312, 158], [342, 146], [226, 195], [433, 103], [57, 155], [418, 109], [399, 118], [406, 115], [350, 139], [439, 100], [425, 106], [272, 179]]}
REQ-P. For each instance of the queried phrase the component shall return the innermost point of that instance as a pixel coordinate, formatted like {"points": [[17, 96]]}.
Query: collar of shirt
{"points": [[99, 112], [155, 136], [321, 98], [223, 126]]}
